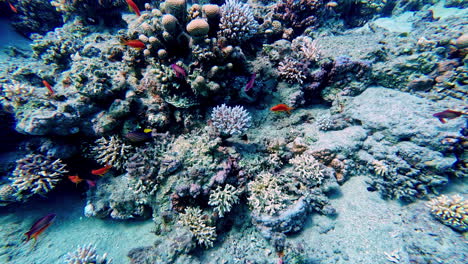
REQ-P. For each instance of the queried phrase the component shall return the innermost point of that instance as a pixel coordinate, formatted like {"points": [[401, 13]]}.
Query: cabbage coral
{"points": [[36, 174]]}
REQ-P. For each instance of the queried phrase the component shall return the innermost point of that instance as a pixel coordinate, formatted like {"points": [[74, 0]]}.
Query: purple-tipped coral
{"points": [[230, 120], [86, 254], [36, 174], [237, 21]]}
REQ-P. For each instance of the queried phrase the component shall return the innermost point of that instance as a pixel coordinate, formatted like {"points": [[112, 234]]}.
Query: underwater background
{"points": [[246, 132]]}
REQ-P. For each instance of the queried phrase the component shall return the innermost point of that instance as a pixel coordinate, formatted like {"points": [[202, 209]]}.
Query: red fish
{"points": [[134, 7], [12, 7], [134, 43], [49, 87], [448, 114], [102, 170], [281, 108], [179, 71], [40, 226], [251, 82], [75, 179]]}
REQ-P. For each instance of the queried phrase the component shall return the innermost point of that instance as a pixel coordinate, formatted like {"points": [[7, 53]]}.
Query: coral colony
{"points": [[229, 121]]}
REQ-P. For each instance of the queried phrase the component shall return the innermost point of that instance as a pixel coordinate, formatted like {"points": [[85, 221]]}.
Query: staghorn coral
{"points": [[309, 170], [198, 225], [267, 194], [36, 174], [112, 151], [237, 22], [230, 120], [380, 167], [451, 211], [86, 255], [222, 199], [15, 94], [292, 71]]}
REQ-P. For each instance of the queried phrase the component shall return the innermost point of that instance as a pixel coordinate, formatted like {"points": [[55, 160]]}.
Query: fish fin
{"points": [[442, 120]]}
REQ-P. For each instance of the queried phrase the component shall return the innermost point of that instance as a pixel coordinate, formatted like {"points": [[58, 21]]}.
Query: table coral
{"points": [[36, 174]]}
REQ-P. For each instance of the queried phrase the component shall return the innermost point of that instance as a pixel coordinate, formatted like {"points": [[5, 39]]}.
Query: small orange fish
{"points": [[134, 7], [102, 170], [134, 43], [12, 7], [281, 108], [448, 114], [49, 87], [75, 179]]}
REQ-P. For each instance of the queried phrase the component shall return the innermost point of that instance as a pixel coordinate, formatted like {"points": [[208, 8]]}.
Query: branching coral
{"points": [[237, 22], [292, 71], [85, 255], [309, 170], [15, 94], [199, 226], [380, 167], [223, 199], [112, 151], [230, 120], [36, 174], [306, 47], [267, 194], [451, 211]]}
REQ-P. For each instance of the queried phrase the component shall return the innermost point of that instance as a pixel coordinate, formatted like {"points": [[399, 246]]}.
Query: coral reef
{"points": [[112, 151], [36, 174], [299, 15], [451, 211], [204, 233], [222, 199], [230, 120], [308, 169], [237, 22], [86, 254], [15, 94]]}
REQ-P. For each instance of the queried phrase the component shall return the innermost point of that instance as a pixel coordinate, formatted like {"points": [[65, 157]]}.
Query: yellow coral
{"points": [[451, 211]]}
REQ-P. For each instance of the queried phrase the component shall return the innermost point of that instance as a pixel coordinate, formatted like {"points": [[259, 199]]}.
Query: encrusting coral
{"points": [[222, 199], [199, 226], [451, 211], [86, 255], [36, 174], [230, 120]]}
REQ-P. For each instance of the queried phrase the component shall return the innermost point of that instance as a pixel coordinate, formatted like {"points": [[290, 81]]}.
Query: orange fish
{"points": [[281, 108], [102, 170], [134, 43], [48, 86], [134, 7], [12, 7], [448, 114], [40, 226], [75, 179]]}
